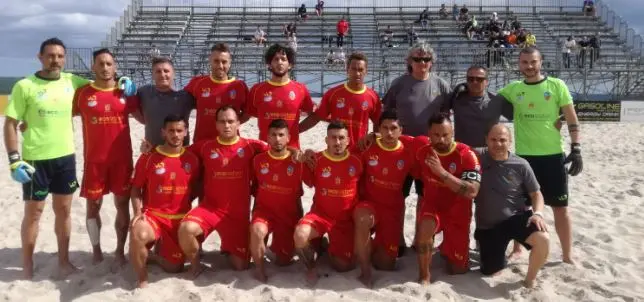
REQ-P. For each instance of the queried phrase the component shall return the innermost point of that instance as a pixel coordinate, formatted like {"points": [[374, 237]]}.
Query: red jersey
{"points": [[279, 185], [166, 180], [227, 173], [342, 26], [353, 108], [211, 94], [106, 129], [269, 101], [459, 161], [336, 185], [385, 171]]}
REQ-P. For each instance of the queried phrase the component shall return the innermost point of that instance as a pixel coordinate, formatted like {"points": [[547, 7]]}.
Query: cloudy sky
{"points": [[85, 23]]}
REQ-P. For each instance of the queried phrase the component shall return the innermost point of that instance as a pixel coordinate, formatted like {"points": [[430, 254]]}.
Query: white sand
{"points": [[606, 203]]}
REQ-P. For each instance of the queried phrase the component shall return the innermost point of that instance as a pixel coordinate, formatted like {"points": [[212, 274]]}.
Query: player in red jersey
{"points": [[163, 183], [335, 178], [451, 177], [280, 97], [352, 103], [215, 90], [386, 165], [278, 206], [107, 153], [225, 207]]}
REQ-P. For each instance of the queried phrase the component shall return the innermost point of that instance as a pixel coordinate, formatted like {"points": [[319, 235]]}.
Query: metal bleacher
{"points": [[185, 33]]}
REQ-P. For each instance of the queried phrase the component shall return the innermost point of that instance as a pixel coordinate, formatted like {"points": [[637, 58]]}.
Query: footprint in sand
{"points": [[615, 212], [604, 237], [634, 192], [619, 196], [587, 265]]}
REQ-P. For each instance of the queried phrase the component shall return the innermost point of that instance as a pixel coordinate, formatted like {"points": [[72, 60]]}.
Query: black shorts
{"points": [[418, 184], [56, 176], [552, 177], [493, 242]]}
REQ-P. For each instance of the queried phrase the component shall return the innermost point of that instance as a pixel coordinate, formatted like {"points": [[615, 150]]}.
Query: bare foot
{"points": [[260, 275], [119, 262], [425, 280], [312, 277], [529, 283], [196, 270], [97, 257], [455, 270], [366, 280], [142, 284], [569, 260], [28, 270], [65, 270], [515, 254]]}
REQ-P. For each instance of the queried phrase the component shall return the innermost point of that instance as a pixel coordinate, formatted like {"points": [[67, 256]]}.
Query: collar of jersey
{"points": [[361, 91], [451, 149], [379, 142], [102, 89], [536, 83], [278, 84], [331, 158], [228, 143], [230, 80], [285, 156], [158, 149]]}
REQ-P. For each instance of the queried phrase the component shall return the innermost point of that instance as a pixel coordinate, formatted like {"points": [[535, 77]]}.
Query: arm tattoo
{"points": [[573, 128], [424, 248], [444, 176], [462, 190]]}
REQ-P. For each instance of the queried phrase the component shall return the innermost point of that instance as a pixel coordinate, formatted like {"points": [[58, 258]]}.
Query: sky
{"points": [[25, 23]]}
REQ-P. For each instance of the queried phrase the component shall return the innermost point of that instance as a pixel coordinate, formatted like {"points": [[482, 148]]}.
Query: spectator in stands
{"points": [[423, 19], [568, 50], [584, 44], [494, 19], [511, 40], [292, 42], [463, 15], [260, 36], [340, 57], [589, 8], [412, 36], [595, 44], [442, 12], [455, 13], [342, 29], [329, 57], [516, 24], [388, 36], [319, 7], [301, 12], [530, 40], [154, 52], [471, 27], [521, 38], [464, 10], [290, 28], [506, 24]]}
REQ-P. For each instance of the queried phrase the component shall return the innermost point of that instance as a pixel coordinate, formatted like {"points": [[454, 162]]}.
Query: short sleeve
{"points": [[258, 146], [530, 182], [471, 166], [242, 94], [192, 85], [506, 92], [389, 100], [564, 98], [323, 111], [250, 107], [307, 102], [132, 104], [140, 173], [75, 102], [17, 105], [78, 81], [407, 141], [377, 109], [308, 176]]}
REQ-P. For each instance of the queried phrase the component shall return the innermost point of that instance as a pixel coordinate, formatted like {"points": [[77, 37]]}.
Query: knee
{"points": [[258, 231], [363, 219], [140, 234], [188, 229], [540, 240], [426, 230], [301, 236]]}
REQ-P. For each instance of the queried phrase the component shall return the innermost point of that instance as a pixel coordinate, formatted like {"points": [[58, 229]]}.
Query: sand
{"points": [[608, 241]]}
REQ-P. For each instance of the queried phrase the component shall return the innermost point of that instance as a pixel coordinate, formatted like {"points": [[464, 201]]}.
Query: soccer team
{"points": [[360, 180]]}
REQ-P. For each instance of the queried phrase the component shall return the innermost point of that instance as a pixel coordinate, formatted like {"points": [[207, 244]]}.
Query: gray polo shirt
{"points": [[474, 115], [157, 105], [505, 188], [415, 101]]}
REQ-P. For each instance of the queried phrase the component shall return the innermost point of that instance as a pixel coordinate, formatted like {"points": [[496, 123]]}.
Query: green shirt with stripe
{"points": [[536, 109], [46, 106]]}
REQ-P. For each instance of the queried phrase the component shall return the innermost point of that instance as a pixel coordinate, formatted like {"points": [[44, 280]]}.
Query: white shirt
{"points": [[569, 45], [259, 33]]}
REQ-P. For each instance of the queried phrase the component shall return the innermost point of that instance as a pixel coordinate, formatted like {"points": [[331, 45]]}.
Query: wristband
{"points": [[575, 147], [14, 156], [537, 213]]}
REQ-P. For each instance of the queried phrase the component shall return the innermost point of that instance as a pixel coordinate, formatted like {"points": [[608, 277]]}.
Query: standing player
{"points": [[451, 176], [352, 103], [386, 165], [225, 208], [280, 97], [216, 90], [537, 101], [44, 102], [335, 178], [161, 193], [278, 207], [107, 152]]}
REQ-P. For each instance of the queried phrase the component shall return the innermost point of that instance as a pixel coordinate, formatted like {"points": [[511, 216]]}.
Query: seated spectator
{"points": [[442, 12], [388, 36], [289, 29], [568, 50], [329, 57], [470, 27], [521, 37], [506, 24], [530, 40], [455, 12], [494, 19], [340, 57], [589, 8], [423, 19], [301, 12], [511, 40], [292, 42], [516, 24], [464, 10], [412, 36], [260, 36], [319, 7]]}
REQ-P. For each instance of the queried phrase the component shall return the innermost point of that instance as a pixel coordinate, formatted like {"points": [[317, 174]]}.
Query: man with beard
{"points": [[107, 155], [280, 97], [451, 175], [163, 183], [216, 90], [278, 207], [352, 103], [537, 102]]}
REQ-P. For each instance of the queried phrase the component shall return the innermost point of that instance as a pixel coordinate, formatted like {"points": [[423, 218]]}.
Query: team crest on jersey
{"points": [[268, 97], [280, 103], [159, 168], [214, 154], [291, 95], [400, 164], [218, 100], [326, 172], [232, 94], [40, 95], [323, 192], [351, 111], [365, 105], [187, 167], [290, 170], [352, 171], [340, 103], [276, 177], [385, 171], [531, 105], [205, 92], [547, 95], [224, 162], [263, 168], [338, 180], [108, 108], [240, 152], [452, 168], [173, 175], [91, 101], [373, 160], [94, 120], [520, 96]]}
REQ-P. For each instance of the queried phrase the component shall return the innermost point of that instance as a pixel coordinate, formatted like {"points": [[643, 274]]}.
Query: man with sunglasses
{"points": [[414, 97]]}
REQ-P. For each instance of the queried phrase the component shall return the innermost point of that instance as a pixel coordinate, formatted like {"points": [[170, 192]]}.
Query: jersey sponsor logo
{"points": [[338, 180], [240, 152], [352, 171], [159, 189], [177, 255], [385, 171], [531, 105], [91, 101], [452, 168], [268, 97], [340, 103], [225, 161], [290, 170], [365, 105], [187, 167], [279, 103], [323, 192], [400, 164], [326, 172], [351, 111], [218, 100], [263, 168], [276, 177], [232, 94], [108, 108], [214, 154], [173, 175], [547, 95], [291, 95], [563, 197], [372, 178], [373, 160], [73, 184], [159, 168], [205, 92]]}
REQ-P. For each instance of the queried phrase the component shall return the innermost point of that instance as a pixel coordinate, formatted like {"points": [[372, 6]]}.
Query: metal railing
{"points": [[632, 40]]}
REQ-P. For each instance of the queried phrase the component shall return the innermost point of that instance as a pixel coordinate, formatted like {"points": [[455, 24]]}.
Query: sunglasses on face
{"points": [[421, 59], [476, 79]]}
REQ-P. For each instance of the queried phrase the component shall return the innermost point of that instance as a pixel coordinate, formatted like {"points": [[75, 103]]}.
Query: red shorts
{"points": [[282, 243], [388, 226], [102, 178], [166, 229], [454, 222], [340, 234], [234, 232]]}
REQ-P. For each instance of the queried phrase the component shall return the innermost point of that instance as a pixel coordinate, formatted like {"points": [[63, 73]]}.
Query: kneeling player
{"points": [[451, 177], [278, 207], [166, 175], [335, 178]]}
